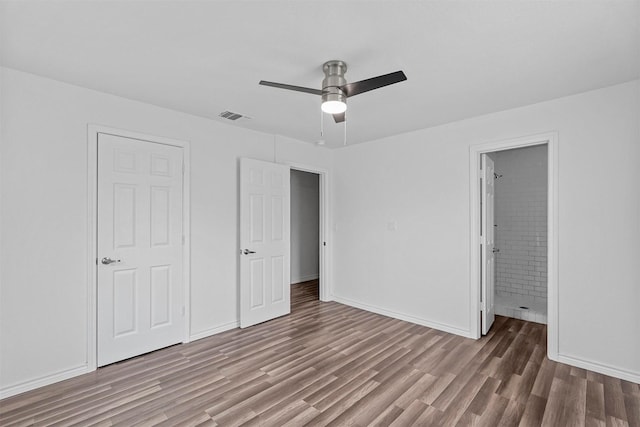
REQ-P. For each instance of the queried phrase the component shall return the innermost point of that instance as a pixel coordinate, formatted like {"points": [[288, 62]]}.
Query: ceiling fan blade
{"points": [[355, 88], [292, 87], [339, 118]]}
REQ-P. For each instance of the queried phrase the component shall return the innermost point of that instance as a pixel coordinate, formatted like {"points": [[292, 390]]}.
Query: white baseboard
{"points": [[43, 381], [406, 317], [213, 331], [74, 372], [600, 368], [296, 280]]}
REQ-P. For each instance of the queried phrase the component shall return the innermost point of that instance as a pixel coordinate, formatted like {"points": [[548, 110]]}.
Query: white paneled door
{"points": [[264, 241], [140, 247], [488, 244]]}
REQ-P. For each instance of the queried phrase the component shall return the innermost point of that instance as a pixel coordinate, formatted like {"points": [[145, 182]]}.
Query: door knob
{"points": [[107, 261], [495, 250], [247, 252]]}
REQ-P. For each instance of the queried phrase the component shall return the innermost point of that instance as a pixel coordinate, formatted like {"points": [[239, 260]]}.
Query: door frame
{"points": [[551, 140], [324, 264], [93, 131]]}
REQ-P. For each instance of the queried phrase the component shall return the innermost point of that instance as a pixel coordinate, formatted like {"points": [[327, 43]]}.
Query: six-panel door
{"points": [[140, 247], [488, 245], [264, 241]]}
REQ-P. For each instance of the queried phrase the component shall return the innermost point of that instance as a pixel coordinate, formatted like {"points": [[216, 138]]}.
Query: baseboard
{"points": [[74, 372], [295, 281], [43, 381], [401, 316], [600, 368], [213, 331]]}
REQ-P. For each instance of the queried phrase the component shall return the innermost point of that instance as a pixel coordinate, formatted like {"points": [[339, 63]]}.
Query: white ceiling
{"points": [[462, 59]]}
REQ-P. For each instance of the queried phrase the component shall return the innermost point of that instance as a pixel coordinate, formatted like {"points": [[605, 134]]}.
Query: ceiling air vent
{"points": [[230, 115]]}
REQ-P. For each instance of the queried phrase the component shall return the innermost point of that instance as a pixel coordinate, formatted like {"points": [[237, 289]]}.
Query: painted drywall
{"points": [[402, 221], [304, 226], [401, 206], [44, 245], [521, 223]]}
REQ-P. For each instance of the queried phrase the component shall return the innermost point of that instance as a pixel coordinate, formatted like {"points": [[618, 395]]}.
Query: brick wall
{"points": [[521, 219]]}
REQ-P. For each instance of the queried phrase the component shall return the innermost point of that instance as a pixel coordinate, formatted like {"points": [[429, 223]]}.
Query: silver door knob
{"points": [[107, 261], [247, 252]]}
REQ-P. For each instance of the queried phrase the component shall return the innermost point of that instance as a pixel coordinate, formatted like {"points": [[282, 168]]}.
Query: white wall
{"points": [[521, 219], [304, 226], [44, 240], [419, 181], [400, 206]]}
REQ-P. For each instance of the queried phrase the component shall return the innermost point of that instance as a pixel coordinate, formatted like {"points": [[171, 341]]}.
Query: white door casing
{"points": [[324, 250], [488, 243], [475, 238], [264, 241], [140, 226]]}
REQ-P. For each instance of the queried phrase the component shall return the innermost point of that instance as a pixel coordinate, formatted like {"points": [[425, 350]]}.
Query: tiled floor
{"points": [[512, 307]]}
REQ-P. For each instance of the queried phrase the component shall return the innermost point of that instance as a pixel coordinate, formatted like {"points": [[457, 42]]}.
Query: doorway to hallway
{"points": [[305, 237]]}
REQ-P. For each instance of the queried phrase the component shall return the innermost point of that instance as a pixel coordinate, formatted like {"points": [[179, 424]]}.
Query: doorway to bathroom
{"points": [[513, 233], [520, 232]]}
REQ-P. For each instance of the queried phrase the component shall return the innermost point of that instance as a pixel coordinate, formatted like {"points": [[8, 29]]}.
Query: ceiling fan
{"points": [[335, 89]]}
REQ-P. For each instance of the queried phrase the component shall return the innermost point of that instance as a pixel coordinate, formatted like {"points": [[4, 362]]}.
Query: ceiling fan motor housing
{"points": [[333, 80]]}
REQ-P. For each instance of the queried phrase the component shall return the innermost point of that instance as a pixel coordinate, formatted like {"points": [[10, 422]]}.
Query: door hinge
{"points": [[324, 243], [483, 306]]}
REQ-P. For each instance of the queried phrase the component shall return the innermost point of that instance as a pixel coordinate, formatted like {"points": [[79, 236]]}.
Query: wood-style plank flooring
{"points": [[329, 364]]}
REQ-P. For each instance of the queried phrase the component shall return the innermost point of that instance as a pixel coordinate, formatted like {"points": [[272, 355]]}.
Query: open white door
{"points": [[140, 247], [264, 241], [488, 244]]}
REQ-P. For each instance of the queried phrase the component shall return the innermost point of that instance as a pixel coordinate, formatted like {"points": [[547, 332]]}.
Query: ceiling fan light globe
{"points": [[334, 107]]}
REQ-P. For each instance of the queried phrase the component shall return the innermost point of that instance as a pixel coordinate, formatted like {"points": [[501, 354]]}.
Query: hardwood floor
{"points": [[327, 363], [304, 293]]}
